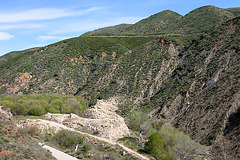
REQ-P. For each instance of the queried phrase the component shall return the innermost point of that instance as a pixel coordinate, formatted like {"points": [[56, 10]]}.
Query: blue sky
{"points": [[32, 23]]}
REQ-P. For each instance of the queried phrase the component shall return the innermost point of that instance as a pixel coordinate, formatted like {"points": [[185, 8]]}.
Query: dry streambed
{"points": [[101, 120]]}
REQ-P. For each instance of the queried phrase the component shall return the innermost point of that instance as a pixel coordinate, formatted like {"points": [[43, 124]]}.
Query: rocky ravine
{"points": [[100, 120]]}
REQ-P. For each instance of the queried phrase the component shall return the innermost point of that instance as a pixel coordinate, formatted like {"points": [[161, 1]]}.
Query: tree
{"points": [[53, 110], [67, 139], [168, 143], [6, 103], [155, 146], [136, 119], [17, 109], [185, 147], [168, 134], [36, 111]]}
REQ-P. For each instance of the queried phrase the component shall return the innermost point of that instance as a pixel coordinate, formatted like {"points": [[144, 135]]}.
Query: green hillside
{"points": [[169, 22], [15, 54], [154, 23], [64, 66], [235, 11], [200, 19], [108, 30]]}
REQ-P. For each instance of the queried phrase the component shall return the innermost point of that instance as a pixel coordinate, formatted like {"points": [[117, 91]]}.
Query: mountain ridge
{"points": [[197, 20]]}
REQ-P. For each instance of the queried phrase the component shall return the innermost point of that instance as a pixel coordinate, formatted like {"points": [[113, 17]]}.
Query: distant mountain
{"points": [[154, 23], [108, 30], [169, 22], [151, 24], [200, 19], [15, 54], [235, 11]]}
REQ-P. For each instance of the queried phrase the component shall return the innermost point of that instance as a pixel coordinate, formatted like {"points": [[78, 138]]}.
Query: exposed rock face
{"points": [[101, 120], [207, 103], [42, 125], [6, 112], [103, 110]]}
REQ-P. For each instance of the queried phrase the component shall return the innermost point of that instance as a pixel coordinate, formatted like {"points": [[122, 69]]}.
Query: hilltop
{"points": [[201, 19], [154, 23]]}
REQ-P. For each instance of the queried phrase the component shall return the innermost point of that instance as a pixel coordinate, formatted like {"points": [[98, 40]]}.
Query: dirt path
{"points": [[130, 151], [59, 155], [61, 126]]}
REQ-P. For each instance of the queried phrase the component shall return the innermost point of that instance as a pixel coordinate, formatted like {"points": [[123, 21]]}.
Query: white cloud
{"points": [[94, 9], [5, 36], [42, 14], [21, 26], [45, 38]]}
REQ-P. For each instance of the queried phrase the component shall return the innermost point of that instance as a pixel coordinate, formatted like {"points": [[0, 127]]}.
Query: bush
{"points": [[6, 103], [155, 144], [185, 147], [136, 119], [52, 103], [65, 109], [36, 111], [57, 103], [33, 131], [67, 139], [86, 148], [168, 143], [17, 109], [53, 110], [29, 103], [168, 134]]}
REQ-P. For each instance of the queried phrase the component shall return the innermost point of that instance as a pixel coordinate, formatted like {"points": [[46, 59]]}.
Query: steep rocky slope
{"points": [[138, 73], [204, 88]]}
